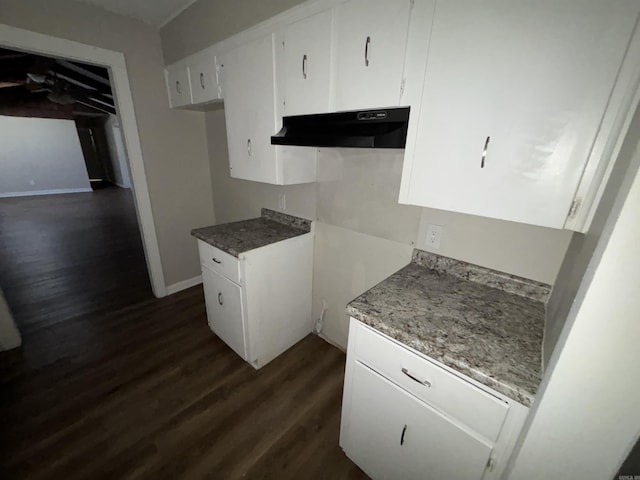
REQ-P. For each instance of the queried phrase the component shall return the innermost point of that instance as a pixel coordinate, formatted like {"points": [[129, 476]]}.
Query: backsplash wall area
{"points": [[363, 235]]}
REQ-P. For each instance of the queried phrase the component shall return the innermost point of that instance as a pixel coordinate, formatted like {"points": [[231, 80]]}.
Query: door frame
{"points": [[21, 39]]}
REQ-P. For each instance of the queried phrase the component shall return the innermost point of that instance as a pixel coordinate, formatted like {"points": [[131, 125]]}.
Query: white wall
{"points": [[40, 156], [586, 418], [173, 141], [582, 247], [117, 152]]}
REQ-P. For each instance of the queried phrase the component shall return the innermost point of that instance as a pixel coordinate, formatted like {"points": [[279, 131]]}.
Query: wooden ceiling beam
{"points": [[97, 106], [90, 82], [101, 72]]}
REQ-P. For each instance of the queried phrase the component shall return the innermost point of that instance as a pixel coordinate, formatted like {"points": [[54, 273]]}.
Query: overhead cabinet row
{"points": [[195, 82], [516, 107]]}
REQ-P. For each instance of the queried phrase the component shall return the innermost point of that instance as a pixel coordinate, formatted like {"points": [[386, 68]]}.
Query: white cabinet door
{"points": [[371, 37], [178, 86], [224, 310], [307, 53], [249, 96], [204, 83], [392, 435], [513, 97]]}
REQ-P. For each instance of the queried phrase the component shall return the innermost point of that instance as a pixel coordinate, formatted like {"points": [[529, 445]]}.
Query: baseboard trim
{"points": [[45, 192], [183, 285]]}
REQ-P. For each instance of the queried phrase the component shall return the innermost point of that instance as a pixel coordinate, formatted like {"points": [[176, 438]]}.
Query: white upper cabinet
{"points": [[249, 98], [306, 49], [514, 95], [371, 37], [252, 118], [177, 77], [203, 74]]}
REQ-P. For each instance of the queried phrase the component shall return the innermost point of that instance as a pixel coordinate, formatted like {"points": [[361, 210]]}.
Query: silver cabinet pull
{"points": [[216, 260], [404, 430], [421, 382], [484, 151], [304, 66], [202, 80], [220, 299], [178, 89], [249, 151], [366, 51]]}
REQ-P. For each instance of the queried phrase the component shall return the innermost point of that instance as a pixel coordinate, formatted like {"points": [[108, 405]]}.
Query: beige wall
{"points": [[208, 21], [173, 141], [363, 234]]}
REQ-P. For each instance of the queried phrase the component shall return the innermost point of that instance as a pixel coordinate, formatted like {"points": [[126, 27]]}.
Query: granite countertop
{"points": [[238, 237], [485, 324]]}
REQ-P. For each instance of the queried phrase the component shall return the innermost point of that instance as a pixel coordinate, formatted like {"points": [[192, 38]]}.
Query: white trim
{"points": [[21, 39], [184, 284], [175, 13], [58, 191]]}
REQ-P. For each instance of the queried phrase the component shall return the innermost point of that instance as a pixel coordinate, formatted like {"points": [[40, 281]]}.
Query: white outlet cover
{"points": [[434, 236]]}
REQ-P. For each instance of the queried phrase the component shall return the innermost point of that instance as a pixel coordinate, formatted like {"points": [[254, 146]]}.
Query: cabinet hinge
{"points": [[575, 205], [491, 463], [402, 88]]}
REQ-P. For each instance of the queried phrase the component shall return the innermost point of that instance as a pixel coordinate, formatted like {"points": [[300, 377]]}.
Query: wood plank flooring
{"points": [[112, 383]]}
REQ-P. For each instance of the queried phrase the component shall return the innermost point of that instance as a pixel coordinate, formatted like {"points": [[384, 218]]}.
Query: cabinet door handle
{"points": [[178, 89], [220, 299], [304, 66], [249, 151], [216, 260], [202, 80], [484, 151], [366, 51], [404, 430], [426, 383]]}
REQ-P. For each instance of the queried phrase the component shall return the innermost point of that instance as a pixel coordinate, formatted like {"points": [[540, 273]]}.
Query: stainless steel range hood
{"points": [[382, 128]]}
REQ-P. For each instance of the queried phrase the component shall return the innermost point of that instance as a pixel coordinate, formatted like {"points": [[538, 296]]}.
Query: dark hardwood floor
{"points": [[112, 383]]}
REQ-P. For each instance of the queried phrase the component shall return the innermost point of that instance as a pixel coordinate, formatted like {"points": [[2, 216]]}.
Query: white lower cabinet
{"points": [[259, 303], [395, 432], [393, 435], [224, 309]]}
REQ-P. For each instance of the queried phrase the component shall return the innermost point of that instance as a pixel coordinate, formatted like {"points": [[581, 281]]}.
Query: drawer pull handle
{"points": [[304, 66], [421, 382], [216, 260], [404, 430], [484, 151], [220, 299], [202, 80], [366, 51]]}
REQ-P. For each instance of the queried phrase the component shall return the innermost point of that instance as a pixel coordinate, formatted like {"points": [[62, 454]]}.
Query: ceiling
{"points": [[47, 86], [154, 12]]}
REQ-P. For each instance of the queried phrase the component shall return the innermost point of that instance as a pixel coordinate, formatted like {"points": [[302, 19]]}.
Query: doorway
{"points": [[25, 40]]}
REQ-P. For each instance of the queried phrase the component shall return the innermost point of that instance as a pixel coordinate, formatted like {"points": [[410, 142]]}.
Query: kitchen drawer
{"points": [[441, 389], [219, 261]]}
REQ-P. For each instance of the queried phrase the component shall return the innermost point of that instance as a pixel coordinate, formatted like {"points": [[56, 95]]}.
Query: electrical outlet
{"points": [[282, 202], [434, 236]]}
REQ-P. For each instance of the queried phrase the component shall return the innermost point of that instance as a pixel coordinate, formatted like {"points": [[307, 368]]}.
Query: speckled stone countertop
{"points": [[485, 324], [237, 237]]}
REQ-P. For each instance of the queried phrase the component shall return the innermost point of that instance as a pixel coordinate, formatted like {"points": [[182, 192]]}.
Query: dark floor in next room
{"points": [[113, 383]]}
